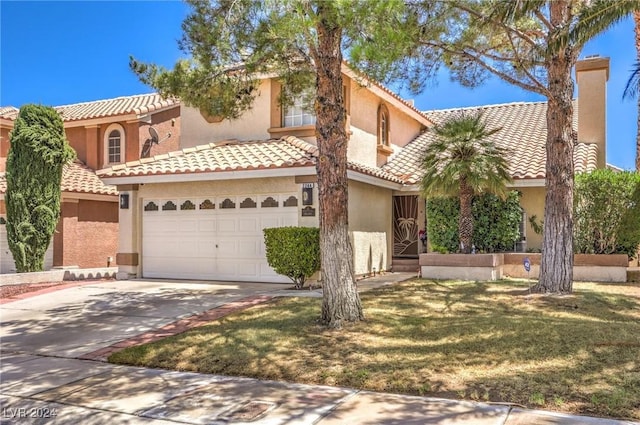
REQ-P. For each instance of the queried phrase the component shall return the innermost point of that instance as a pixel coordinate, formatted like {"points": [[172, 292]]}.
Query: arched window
{"points": [[114, 145], [383, 126]]}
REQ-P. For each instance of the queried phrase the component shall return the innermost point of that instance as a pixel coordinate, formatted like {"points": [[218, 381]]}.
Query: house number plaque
{"points": [[308, 212]]}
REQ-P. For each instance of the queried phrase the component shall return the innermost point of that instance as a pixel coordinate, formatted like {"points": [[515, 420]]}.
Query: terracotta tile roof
{"points": [[76, 178], [523, 132], [221, 156], [373, 171], [285, 152], [8, 112], [138, 104]]}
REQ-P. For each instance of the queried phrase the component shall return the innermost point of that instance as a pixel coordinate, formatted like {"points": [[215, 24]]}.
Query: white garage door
{"points": [[7, 265], [213, 238]]}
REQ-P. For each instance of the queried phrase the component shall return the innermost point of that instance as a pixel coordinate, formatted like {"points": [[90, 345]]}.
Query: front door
{"points": [[405, 226]]}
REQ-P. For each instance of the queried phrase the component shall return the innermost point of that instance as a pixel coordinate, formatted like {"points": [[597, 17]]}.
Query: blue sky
{"points": [[57, 53]]}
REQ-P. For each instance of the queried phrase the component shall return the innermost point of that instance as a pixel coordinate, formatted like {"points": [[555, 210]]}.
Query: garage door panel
{"points": [[268, 222], [214, 244], [186, 247], [227, 224], [248, 270], [249, 248], [248, 224], [288, 221], [188, 225], [206, 249], [207, 225], [227, 248]]}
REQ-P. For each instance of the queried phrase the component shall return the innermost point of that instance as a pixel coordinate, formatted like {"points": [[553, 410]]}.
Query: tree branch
{"points": [[536, 87], [499, 23]]}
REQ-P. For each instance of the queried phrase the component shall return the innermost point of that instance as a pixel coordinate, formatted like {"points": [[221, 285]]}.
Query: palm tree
{"points": [[463, 161], [631, 89]]}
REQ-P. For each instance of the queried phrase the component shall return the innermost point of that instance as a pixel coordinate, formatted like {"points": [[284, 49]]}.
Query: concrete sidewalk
{"points": [[50, 390]]}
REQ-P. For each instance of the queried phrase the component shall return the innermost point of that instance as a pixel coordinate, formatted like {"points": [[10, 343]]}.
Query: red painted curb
{"points": [[179, 326]]}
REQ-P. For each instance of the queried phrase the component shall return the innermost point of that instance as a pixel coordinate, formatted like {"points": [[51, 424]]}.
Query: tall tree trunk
{"points": [[556, 268], [636, 19], [465, 221], [340, 296]]}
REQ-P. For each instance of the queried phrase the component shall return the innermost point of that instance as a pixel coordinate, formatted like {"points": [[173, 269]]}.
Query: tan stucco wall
{"points": [[591, 76], [370, 227], [364, 126], [252, 125], [532, 201], [219, 188]]}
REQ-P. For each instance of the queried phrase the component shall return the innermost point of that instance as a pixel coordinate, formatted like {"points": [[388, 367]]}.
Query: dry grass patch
{"points": [[483, 341]]}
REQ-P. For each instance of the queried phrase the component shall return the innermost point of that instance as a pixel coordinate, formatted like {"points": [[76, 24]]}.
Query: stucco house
{"points": [[198, 213], [103, 133]]}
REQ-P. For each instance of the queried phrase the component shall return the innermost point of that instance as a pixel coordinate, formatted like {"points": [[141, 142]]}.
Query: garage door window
{"points": [[207, 205], [151, 206], [169, 206], [227, 204], [269, 202], [188, 205], [248, 203]]}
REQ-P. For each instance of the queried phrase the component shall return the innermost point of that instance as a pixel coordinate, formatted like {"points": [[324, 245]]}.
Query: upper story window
{"points": [[383, 126], [114, 139], [296, 115]]}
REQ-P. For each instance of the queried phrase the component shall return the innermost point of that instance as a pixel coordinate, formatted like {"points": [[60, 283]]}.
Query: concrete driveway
{"points": [[75, 321]]}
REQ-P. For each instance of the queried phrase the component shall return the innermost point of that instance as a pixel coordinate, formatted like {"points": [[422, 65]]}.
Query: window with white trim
{"points": [[296, 115], [114, 139]]}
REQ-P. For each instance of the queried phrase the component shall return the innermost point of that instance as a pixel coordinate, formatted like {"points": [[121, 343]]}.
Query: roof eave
{"points": [[207, 176]]}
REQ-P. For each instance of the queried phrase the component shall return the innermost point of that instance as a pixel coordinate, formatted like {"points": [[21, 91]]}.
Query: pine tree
{"points": [[232, 43], [533, 45]]}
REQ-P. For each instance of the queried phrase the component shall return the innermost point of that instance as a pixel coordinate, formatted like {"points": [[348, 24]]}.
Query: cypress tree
{"points": [[38, 153]]}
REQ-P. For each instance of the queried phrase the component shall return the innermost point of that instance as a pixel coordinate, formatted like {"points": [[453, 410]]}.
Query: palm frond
{"points": [[633, 83], [598, 16], [509, 11], [463, 149]]}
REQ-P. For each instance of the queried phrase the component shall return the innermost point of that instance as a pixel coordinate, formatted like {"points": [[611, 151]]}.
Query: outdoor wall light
{"points": [[307, 194], [124, 201]]}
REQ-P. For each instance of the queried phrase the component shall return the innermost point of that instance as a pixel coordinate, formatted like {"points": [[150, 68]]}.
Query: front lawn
{"points": [[479, 341]]}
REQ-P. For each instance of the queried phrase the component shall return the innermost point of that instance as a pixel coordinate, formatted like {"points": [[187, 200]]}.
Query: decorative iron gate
{"points": [[405, 226]]}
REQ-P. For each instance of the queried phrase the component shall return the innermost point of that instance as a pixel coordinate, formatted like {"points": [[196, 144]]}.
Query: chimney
{"points": [[592, 74]]}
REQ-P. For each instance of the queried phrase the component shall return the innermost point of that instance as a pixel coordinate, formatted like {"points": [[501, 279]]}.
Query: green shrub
{"points": [[607, 213], [293, 252], [39, 150], [442, 224], [496, 222]]}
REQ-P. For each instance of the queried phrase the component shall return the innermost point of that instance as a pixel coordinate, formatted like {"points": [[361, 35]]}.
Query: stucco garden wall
{"points": [[478, 267]]}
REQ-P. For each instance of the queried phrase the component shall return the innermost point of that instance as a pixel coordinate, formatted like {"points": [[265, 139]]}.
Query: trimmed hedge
{"points": [[496, 222], [607, 213], [293, 252]]}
